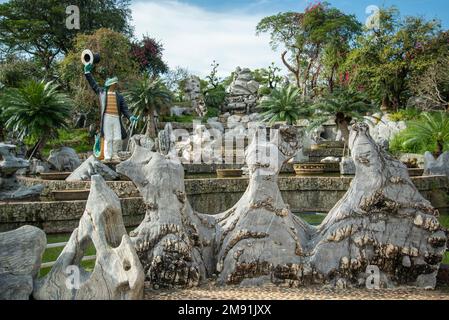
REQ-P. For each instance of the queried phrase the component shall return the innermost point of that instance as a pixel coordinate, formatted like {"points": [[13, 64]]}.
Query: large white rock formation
{"points": [[118, 273], [21, 253]]}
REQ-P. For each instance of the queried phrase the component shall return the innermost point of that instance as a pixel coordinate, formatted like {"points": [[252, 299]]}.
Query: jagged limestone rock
{"points": [[259, 236], [438, 166], [173, 242], [117, 275], [382, 220], [10, 189], [21, 253], [243, 92], [194, 94], [64, 159], [92, 166]]}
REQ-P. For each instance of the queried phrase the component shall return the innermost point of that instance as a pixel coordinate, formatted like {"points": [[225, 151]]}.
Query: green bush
{"points": [[78, 139], [405, 115], [399, 144]]}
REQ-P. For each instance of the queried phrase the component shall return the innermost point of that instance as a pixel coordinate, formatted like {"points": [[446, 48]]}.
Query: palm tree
{"points": [[146, 97], [283, 104], [431, 128], [36, 109], [344, 106]]}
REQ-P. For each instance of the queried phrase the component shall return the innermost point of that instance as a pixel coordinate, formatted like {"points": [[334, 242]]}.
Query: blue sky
{"points": [[196, 32], [429, 8]]}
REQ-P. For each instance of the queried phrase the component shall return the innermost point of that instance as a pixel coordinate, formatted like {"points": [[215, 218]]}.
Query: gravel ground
{"points": [[213, 292]]}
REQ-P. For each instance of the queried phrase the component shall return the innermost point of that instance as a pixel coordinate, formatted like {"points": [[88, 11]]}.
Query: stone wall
{"points": [[314, 194]]}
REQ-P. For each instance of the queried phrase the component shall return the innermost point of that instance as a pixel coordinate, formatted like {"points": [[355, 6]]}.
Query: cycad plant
{"points": [[431, 128], [344, 106], [281, 105], [147, 96], [37, 110]]}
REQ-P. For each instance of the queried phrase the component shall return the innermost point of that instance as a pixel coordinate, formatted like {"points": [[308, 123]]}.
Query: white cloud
{"points": [[193, 37]]}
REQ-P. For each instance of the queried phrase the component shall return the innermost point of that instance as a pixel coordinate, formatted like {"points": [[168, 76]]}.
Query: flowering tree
{"points": [[148, 54]]}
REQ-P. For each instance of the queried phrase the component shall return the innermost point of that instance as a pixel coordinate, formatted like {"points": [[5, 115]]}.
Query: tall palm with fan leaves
{"points": [[37, 110], [283, 105], [147, 96], [432, 128]]}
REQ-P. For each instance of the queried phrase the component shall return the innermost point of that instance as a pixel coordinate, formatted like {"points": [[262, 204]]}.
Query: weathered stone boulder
{"points": [[258, 236], [21, 253], [92, 166], [243, 92], [382, 221], [117, 275], [194, 94], [347, 166], [383, 130], [141, 140], [64, 159], [173, 242], [10, 189], [438, 166]]}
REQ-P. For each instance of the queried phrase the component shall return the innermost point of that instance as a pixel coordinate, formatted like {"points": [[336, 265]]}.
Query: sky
{"points": [[197, 32]]}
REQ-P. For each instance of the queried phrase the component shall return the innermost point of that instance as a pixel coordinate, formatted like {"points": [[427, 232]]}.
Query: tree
{"points": [[308, 36], [431, 79], [214, 88], [175, 81], [116, 60], [431, 128], [386, 58], [14, 70], [268, 77], [148, 54], [282, 105], [146, 97], [39, 29], [35, 110], [344, 105]]}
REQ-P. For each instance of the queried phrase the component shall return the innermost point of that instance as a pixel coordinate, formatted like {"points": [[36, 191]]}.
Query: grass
{"points": [[78, 139], [444, 220]]}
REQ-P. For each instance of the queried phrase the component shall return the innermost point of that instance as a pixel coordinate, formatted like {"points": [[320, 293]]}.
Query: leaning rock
{"points": [[10, 189], [64, 159], [92, 166], [173, 242], [380, 221], [438, 166], [21, 253], [117, 275]]}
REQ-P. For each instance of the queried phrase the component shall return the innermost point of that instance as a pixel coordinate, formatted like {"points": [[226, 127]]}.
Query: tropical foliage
{"points": [[344, 105], [431, 130], [146, 98], [36, 109], [282, 105]]}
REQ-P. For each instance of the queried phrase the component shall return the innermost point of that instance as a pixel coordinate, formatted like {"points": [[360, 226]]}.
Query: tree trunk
{"points": [[342, 123], [440, 149], [151, 125], [386, 104]]}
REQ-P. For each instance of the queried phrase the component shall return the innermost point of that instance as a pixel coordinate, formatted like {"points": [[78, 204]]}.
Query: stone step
{"points": [[54, 175], [69, 195]]}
